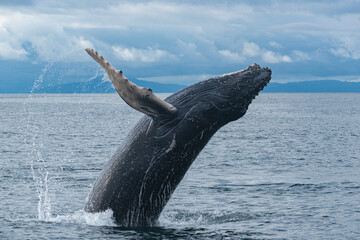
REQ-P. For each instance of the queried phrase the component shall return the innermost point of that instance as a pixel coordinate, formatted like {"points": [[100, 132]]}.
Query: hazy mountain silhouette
{"points": [[314, 86], [99, 86]]}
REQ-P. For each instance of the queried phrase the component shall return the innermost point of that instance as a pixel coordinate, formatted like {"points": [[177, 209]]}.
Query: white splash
{"points": [[42, 174], [81, 217], [38, 166]]}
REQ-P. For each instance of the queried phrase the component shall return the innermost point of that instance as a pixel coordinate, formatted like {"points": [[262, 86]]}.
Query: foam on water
{"points": [[177, 218], [81, 217], [169, 219], [191, 219]]}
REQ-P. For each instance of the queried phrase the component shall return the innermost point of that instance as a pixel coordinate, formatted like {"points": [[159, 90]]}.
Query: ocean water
{"points": [[289, 169]]}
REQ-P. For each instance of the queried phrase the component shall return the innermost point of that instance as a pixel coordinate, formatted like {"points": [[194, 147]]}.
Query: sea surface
{"points": [[289, 169]]}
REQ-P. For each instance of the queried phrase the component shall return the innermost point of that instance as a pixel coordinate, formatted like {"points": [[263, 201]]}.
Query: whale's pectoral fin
{"points": [[139, 98]]}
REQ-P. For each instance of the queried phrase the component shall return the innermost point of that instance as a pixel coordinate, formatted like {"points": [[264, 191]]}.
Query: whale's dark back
{"points": [[140, 177]]}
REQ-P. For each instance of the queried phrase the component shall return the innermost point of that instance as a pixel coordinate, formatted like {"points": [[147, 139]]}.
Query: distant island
{"points": [[100, 86], [319, 86], [97, 86]]}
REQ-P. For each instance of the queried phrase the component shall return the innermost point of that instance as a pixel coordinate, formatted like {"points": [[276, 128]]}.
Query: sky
{"points": [[179, 41]]}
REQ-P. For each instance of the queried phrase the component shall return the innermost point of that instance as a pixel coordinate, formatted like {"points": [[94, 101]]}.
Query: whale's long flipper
{"points": [[139, 98]]}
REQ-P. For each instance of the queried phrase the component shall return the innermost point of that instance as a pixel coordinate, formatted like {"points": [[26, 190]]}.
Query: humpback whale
{"points": [[139, 179]]}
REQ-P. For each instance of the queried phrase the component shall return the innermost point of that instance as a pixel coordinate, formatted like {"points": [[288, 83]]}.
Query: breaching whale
{"points": [[141, 176]]}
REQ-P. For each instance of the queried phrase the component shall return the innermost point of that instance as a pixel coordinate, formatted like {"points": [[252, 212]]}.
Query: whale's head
{"points": [[223, 98], [217, 101]]}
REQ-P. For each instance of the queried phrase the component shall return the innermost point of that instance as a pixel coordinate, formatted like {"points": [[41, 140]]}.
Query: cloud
{"points": [[45, 34], [231, 55], [342, 52], [349, 47], [275, 44], [77, 25], [147, 55], [300, 56], [61, 22], [82, 43], [188, 49], [10, 53], [251, 49], [346, 53], [183, 34], [272, 57], [10, 49]]}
